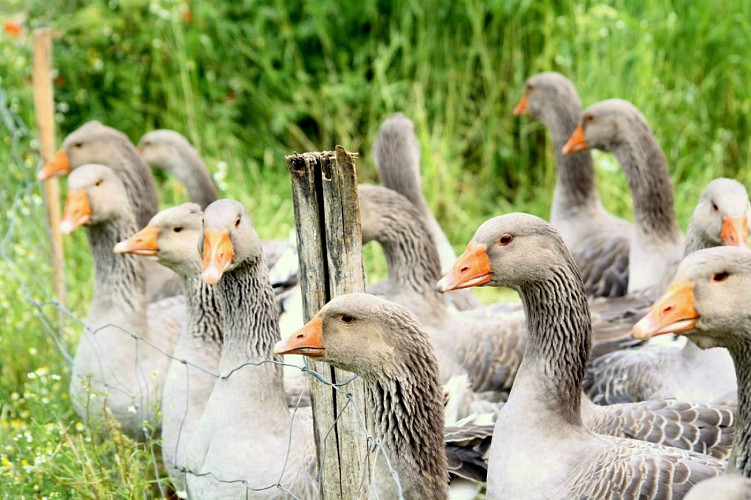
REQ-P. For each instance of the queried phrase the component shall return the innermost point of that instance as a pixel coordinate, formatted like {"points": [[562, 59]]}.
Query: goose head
{"points": [[95, 196], [228, 239], [396, 143], [542, 91], [90, 143], [170, 237], [604, 126], [160, 147], [510, 250], [360, 333], [721, 216], [707, 300]]}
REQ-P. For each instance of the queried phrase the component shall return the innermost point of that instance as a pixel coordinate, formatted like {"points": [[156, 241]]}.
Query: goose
{"points": [[111, 369], [246, 414], [540, 447], [656, 245], [94, 142], [486, 343], [397, 156], [171, 237], [383, 343], [598, 241], [685, 372], [708, 303], [171, 151]]}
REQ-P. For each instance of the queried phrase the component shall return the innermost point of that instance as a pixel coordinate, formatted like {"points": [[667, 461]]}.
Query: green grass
{"points": [[249, 82]]}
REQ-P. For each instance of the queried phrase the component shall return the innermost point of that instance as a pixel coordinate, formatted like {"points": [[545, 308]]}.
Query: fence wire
{"points": [[22, 247]]}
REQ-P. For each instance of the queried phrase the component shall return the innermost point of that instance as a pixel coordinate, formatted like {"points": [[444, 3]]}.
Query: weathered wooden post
{"points": [[44, 108], [329, 239]]}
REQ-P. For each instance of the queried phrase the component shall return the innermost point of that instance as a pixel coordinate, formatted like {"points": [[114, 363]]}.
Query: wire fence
{"points": [[23, 250]]}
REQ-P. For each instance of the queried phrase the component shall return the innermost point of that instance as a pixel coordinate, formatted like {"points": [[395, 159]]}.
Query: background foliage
{"points": [[249, 81]]}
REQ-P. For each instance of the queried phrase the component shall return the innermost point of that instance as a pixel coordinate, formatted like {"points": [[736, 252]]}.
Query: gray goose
{"points": [[397, 155], [246, 414], [540, 447], [708, 303], [94, 142], [171, 237], [125, 375], [598, 241], [485, 343], [383, 343], [656, 245], [171, 151], [664, 371]]}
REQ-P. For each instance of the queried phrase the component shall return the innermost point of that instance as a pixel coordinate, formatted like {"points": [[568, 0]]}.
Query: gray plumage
{"points": [[171, 151], [126, 375], [598, 241], [540, 447], [402, 385], [94, 142], [397, 155], [246, 414], [617, 126], [671, 371], [485, 343]]}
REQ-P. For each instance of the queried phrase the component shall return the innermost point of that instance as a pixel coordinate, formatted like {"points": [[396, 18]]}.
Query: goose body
{"points": [[171, 238], [540, 447], [671, 371], [598, 241], [486, 343], [397, 155], [110, 367], [401, 382], [246, 414], [656, 245], [94, 142], [708, 303]]}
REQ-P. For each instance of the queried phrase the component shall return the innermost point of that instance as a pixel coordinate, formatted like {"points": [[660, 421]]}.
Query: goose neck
{"points": [[190, 169], [409, 392], [205, 321], [558, 345], [740, 458], [647, 174]]}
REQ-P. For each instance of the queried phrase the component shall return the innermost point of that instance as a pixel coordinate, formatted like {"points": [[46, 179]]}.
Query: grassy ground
{"points": [[250, 83]]}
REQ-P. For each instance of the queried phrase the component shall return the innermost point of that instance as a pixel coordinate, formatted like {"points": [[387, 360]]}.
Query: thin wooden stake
{"points": [[44, 108], [329, 239]]}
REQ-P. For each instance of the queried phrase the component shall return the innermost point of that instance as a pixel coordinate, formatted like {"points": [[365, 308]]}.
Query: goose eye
{"points": [[505, 239], [346, 319], [530, 87], [720, 277], [588, 118], [714, 206], [237, 221], [98, 182], [177, 229], [77, 144]]}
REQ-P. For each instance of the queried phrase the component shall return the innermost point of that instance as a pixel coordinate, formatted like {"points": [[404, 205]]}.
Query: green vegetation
{"points": [[248, 82]]}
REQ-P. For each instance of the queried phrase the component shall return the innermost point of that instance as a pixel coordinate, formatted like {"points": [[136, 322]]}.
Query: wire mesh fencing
{"points": [[26, 270]]}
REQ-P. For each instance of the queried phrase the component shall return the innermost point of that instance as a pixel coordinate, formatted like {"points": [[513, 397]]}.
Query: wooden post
{"points": [[329, 242], [44, 108]]}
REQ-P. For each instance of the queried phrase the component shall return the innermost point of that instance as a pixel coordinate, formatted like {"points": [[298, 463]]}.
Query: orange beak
{"points": [[144, 242], [472, 268], [673, 313], [306, 340], [77, 211], [521, 108], [217, 254], [58, 165], [576, 142], [734, 231]]}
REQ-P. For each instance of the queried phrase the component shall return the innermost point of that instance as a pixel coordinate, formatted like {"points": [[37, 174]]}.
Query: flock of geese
{"points": [[185, 344]]}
